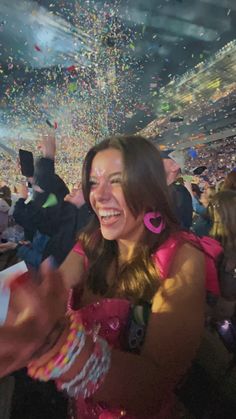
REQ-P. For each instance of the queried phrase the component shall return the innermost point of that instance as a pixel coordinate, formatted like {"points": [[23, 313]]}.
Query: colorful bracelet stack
{"points": [[63, 360], [92, 374], [90, 377]]}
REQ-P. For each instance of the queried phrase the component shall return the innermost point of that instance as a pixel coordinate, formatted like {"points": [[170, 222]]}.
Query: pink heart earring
{"points": [[153, 216]]}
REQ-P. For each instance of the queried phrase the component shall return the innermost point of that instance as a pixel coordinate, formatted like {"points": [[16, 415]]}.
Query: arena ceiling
{"points": [[115, 66]]}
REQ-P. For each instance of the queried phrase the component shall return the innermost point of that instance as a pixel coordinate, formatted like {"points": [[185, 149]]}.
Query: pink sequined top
{"points": [[110, 317]]}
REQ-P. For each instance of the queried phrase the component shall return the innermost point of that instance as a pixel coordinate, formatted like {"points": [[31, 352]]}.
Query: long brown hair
{"points": [[230, 181], [223, 212], [145, 189]]}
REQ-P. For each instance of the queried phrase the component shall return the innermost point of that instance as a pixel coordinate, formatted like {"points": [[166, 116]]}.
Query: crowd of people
{"points": [[68, 162], [120, 271], [219, 158]]}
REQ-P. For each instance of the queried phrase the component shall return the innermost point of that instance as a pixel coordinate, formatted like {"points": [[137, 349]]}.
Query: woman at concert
{"points": [[230, 181], [223, 213], [140, 296]]}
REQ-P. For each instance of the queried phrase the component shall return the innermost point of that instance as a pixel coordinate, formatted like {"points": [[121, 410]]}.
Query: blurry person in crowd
{"points": [[230, 181], [223, 209], [14, 239], [142, 282], [196, 193], [10, 258], [5, 205], [180, 196], [223, 213], [48, 214], [5, 193], [201, 220], [220, 185], [51, 217], [207, 195]]}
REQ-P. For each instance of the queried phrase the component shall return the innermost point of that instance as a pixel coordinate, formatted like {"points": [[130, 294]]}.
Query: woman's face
{"points": [[108, 201]]}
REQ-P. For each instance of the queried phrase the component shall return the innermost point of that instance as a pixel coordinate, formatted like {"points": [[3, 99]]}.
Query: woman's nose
{"points": [[103, 191]]}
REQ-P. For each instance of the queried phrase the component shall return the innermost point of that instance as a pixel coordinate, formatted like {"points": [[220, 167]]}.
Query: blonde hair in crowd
{"points": [[223, 214]]}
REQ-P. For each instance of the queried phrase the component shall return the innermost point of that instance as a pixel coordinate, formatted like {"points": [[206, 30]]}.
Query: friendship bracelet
{"points": [[56, 365], [93, 381], [92, 374], [94, 370], [57, 372]]}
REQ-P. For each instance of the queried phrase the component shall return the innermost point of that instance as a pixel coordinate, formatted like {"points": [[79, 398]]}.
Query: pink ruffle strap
{"points": [[164, 256]]}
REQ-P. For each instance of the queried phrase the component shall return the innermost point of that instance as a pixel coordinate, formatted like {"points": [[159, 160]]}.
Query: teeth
{"points": [[111, 213]]}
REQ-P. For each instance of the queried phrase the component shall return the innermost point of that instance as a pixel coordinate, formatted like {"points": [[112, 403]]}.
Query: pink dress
{"points": [[110, 317]]}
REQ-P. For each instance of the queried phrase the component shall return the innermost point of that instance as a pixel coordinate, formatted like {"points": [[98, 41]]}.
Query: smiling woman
{"points": [[108, 201], [132, 333]]}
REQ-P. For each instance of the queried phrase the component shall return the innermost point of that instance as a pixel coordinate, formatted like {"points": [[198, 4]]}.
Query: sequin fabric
{"points": [[110, 319], [107, 318], [114, 321]]}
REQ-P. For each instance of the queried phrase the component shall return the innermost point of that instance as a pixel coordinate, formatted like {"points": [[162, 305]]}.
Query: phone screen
{"points": [[26, 163]]}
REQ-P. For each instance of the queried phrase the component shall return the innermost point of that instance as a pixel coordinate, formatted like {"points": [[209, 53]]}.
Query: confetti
{"points": [[98, 82], [36, 47], [71, 68]]}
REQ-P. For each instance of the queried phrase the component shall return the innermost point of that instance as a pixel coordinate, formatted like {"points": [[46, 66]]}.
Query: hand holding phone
{"points": [[23, 191]]}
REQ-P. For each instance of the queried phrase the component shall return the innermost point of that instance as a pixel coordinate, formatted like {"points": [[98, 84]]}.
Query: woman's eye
{"points": [[116, 180], [92, 183]]}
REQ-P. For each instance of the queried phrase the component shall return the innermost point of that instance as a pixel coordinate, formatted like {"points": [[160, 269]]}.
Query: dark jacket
{"points": [[182, 204], [49, 182], [61, 222]]}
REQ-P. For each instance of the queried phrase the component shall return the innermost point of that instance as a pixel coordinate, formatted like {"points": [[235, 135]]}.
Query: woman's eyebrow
{"points": [[115, 174], [109, 176]]}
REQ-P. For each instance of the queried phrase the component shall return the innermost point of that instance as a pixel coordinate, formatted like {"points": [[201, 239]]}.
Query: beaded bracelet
{"points": [[93, 373], [63, 360], [79, 345]]}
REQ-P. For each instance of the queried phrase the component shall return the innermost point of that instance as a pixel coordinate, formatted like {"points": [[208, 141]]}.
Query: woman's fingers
{"points": [[16, 280], [24, 298], [52, 284], [35, 307]]}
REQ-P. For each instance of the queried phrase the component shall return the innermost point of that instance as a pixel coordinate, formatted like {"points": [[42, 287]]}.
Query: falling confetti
{"points": [[36, 47]]}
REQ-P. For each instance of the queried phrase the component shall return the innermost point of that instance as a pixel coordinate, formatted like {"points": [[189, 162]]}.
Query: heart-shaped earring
{"points": [[147, 219]]}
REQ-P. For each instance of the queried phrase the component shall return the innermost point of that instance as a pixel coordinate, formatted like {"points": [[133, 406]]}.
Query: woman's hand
{"points": [[75, 197], [4, 247], [36, 314], [48, 145], [22, 190]]}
